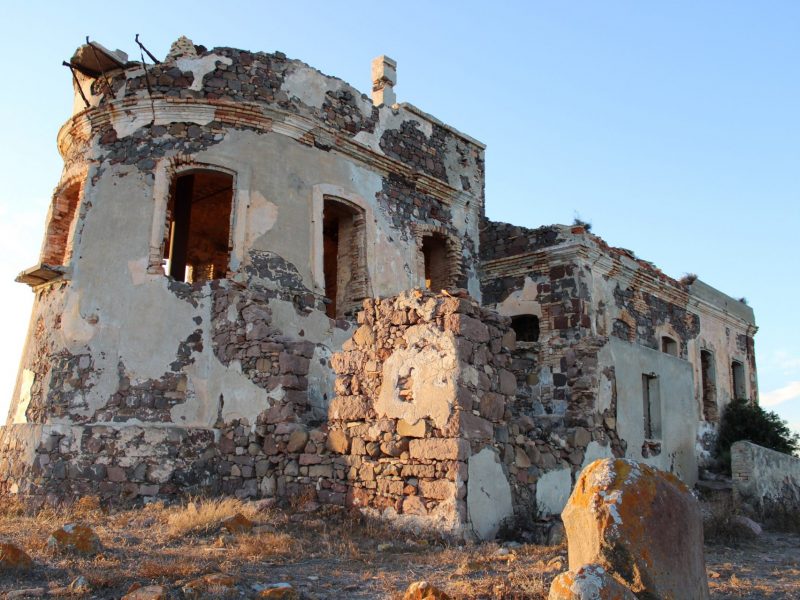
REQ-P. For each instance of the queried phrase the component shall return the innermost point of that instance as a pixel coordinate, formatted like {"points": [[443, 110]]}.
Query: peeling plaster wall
{"points": [[593, 301], [117, 344], [133, 385], [678, 417]]}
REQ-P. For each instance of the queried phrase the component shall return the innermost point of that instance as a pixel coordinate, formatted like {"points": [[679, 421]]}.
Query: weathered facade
{"points": [[208, 312]]}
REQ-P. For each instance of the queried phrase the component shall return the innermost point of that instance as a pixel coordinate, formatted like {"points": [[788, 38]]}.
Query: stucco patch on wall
{"points": [[552, 491], [427, 376], [28, 378], [488, 494]]}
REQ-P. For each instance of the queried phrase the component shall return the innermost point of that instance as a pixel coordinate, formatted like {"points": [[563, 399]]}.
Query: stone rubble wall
{"points": [[422, 386], [766, 480]]}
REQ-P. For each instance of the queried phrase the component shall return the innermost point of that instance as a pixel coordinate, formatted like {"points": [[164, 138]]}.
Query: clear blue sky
{"points": [[673, 127]]}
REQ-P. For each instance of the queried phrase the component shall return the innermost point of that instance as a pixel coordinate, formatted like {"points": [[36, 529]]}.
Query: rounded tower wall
{"points": [[150, 385]]}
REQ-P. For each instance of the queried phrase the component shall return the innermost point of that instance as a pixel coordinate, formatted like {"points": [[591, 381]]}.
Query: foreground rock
{"points": [[238, 523], [39, 592], [590, 582], [150, 592], [747, 526], [13, 558], [74, 538], [422, 590], [641, 525], [279, 591]]}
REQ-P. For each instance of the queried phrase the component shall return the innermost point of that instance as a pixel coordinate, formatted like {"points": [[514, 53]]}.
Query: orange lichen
{"points": [[74, 538], [12, 558]]}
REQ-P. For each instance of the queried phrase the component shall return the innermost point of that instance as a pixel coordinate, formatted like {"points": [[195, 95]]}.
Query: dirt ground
{"points": [[326, 554]]}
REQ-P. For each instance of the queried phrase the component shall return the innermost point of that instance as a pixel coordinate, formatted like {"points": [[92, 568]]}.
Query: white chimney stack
{"points": [[384, 78]]}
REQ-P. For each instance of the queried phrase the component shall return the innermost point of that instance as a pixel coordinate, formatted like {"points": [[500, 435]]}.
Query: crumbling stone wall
{"points": [[422, 387], [586, 295], [134, 385], [119, 352]]}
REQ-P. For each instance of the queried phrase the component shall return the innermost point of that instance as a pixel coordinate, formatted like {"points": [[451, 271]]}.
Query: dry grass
{"points": [[205, 515], [169, 568], [254, 547], [331, 553]]}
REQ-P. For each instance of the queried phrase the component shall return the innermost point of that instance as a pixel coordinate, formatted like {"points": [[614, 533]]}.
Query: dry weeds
{"points": [[204, 515], [328, 553]]}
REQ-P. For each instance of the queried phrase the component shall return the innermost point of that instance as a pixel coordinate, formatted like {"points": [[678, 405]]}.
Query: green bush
{"points": [[743, 420]]}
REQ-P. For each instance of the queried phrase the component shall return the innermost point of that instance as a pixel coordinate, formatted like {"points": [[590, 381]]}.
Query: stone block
{"points": [[297, 440], [338, 441], [508, 383], [317, 471], [581, 437], [521, 458], [470, 328], [492, 406], [439, 449], [364, 336], [348, 408], [293, 363], [473, 427], [416, 430], [440, 489], [390, 486], [414, 505]]}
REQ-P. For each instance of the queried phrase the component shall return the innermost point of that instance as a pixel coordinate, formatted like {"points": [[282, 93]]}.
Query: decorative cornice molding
{"points": [[604, 265], [262, 118]]}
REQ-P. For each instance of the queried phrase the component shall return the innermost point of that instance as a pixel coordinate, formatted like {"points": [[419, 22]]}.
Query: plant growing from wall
{"points": [[743, 420]]}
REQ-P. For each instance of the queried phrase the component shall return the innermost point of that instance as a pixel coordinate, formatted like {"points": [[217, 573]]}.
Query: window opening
{"points": [[669, 346], [344, 257], [737, 372], [199, 224], [58, 242], [526, 327], [651, 403], [437, 271], [708, 376]]}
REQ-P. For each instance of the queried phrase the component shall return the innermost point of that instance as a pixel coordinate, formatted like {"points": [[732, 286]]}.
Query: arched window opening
{"points": [[526, 327], [58, 242], [437, 268], [669, 346], [344, 257], [197, 247], [737, 380], [708, 373]]}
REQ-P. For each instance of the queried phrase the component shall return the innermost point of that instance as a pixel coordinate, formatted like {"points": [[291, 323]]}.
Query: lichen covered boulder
{"points": [[590, 582], [639, 524], [13, 558], [74, 538]]}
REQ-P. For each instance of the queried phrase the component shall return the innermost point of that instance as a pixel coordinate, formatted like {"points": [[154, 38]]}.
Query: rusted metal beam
{"points": [[141, 45], [77, 83]]}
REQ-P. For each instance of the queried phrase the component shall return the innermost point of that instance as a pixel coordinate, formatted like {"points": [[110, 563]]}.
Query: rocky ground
{"points": [[321, 553]]}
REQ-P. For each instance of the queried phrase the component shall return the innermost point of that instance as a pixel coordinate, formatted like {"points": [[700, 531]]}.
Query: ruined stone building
{"points": [[235, 295]]}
